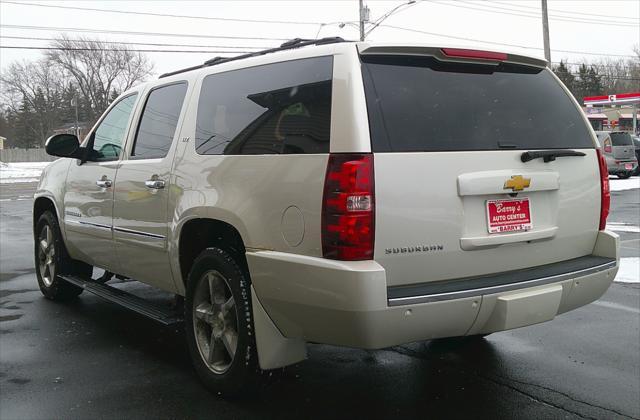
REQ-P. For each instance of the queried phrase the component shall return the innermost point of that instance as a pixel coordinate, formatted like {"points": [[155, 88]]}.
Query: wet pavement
{"points": [[92, 359]]}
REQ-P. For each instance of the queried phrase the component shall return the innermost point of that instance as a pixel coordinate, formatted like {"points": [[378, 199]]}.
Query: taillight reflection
{"points": [[605, 194]]}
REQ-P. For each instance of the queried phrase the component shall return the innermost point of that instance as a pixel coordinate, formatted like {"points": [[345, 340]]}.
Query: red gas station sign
{"points": [[615, 99]]}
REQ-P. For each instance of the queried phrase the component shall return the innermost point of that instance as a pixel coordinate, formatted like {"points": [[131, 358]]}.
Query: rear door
{"points": [[623, 148], [142, 189], [453, 195]]}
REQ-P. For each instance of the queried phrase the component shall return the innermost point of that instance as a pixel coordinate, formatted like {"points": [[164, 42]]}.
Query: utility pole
{"points": [[74, 102], [364, 18], [545, 32]]}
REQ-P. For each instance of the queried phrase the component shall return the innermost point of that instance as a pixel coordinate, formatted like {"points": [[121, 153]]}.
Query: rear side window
{"points": [[621, 139], [418, 104], [280, 108], [159, 121]]}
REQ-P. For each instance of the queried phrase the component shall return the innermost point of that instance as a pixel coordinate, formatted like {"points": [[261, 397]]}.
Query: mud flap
{"points": [[274, 349]]}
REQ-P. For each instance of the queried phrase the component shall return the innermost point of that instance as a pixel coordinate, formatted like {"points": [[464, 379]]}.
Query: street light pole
{"points": [[377, 22], [545, 32]]}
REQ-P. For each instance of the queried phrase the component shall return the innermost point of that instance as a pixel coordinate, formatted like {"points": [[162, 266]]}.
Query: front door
{"points": [[142, 188], [88, 199]]}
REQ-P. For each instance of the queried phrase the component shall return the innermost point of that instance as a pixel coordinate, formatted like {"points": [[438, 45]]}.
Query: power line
{"points": [[127, 12], [452, 36], [501, 43], [532, 15], [536, 15], [564, 11], [132, 50], [522, 13], [205, 52], [135, 43], [111, 31]]}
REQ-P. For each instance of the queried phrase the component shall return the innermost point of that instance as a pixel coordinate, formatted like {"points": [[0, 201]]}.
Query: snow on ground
{"points": [[629, 267], [30, 172], [623, 227], [629, 270], [21, 171], [624, 184]]}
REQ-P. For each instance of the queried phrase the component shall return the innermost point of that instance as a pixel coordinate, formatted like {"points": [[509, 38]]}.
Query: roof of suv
{"points": [[306, 48], [447, 53]]}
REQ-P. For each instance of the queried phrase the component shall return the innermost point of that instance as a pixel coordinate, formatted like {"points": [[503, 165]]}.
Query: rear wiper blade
{"points": [[549, 155]]}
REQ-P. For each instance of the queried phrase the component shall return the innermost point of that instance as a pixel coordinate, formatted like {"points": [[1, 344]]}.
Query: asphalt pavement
{"points": [[91, 359]]}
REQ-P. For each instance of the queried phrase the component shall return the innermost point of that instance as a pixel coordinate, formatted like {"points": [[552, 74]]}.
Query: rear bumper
{"points": [[348, 303], [615, 168]]}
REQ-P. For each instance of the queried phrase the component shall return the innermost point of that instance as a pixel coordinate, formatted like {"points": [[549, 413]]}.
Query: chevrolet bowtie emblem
{"points": [[517, 183]]}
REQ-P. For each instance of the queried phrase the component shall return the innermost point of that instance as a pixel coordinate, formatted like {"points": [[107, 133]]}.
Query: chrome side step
{"points": [[165, 316]]}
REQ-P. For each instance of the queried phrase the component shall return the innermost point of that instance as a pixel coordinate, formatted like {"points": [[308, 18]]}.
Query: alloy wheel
{"points": [[46, 255], [215, 321]]}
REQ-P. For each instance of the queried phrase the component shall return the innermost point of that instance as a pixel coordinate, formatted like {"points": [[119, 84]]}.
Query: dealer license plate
{"points": [[508, 215]]}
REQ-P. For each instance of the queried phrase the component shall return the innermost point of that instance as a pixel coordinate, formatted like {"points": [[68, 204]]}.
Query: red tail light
{"points": [[463, 53], [605, 194], [607, 146], [348, 208]]}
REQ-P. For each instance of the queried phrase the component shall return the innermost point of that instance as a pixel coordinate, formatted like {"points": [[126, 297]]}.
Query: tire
{"points": [[230, 367], [624, 175], [52, 260]]}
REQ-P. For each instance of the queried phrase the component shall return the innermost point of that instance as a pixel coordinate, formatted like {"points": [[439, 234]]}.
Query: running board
{"points": [[165, 316]]}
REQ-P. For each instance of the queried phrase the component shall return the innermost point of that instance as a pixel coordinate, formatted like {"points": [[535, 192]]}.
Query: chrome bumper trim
{"points": [[410, 300], [137, 232], [115, 229], [79, 222]]}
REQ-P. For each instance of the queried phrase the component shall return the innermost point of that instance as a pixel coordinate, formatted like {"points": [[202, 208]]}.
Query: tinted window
{"points": [[158, 123], [109, 136], [419, 104], [621, 139], [271, 109]]}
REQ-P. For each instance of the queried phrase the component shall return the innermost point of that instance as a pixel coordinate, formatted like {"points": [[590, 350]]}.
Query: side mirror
{"points": [[63, 145]]}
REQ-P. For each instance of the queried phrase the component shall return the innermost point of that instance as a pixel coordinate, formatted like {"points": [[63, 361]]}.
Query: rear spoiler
{"points": [[459, 55]]}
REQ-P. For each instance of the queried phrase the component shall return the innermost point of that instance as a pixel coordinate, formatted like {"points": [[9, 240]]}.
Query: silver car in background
{"points": [[619, 151]]}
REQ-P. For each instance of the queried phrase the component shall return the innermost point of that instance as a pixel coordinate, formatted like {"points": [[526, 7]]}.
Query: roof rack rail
{"points": [[288, 45]]}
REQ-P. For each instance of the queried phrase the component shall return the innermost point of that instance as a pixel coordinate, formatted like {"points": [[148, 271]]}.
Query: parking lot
{"points": [[91, 359]]}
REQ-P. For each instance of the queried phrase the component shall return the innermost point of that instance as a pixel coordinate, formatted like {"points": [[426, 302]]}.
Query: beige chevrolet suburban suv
{"points": [[354, 194]]}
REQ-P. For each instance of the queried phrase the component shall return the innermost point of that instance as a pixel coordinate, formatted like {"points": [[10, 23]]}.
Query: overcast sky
{"points": [[589, 28]]}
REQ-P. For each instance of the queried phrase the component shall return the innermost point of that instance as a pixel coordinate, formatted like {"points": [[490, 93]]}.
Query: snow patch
{"points": [[629, 271], [623, 227], [624, 184], [21, 171]]}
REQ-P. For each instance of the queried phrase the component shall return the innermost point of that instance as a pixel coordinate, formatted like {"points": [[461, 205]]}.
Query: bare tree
{"points": [[38, 87], [98, 69]]}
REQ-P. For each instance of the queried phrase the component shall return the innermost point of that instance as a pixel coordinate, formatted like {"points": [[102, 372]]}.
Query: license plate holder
{"points": [[512, 215]]}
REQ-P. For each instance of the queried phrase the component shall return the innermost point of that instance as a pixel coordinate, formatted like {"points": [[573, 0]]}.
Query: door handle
{"points": [[155, 184], [104, 183]]}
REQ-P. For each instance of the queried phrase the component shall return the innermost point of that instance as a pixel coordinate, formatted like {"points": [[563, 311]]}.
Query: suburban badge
{"points": [[412, 249]]}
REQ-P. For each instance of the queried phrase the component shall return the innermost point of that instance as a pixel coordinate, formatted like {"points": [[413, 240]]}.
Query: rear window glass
{"points": [[281, 108], [420, 104], [621, 139], [159, 121]]}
